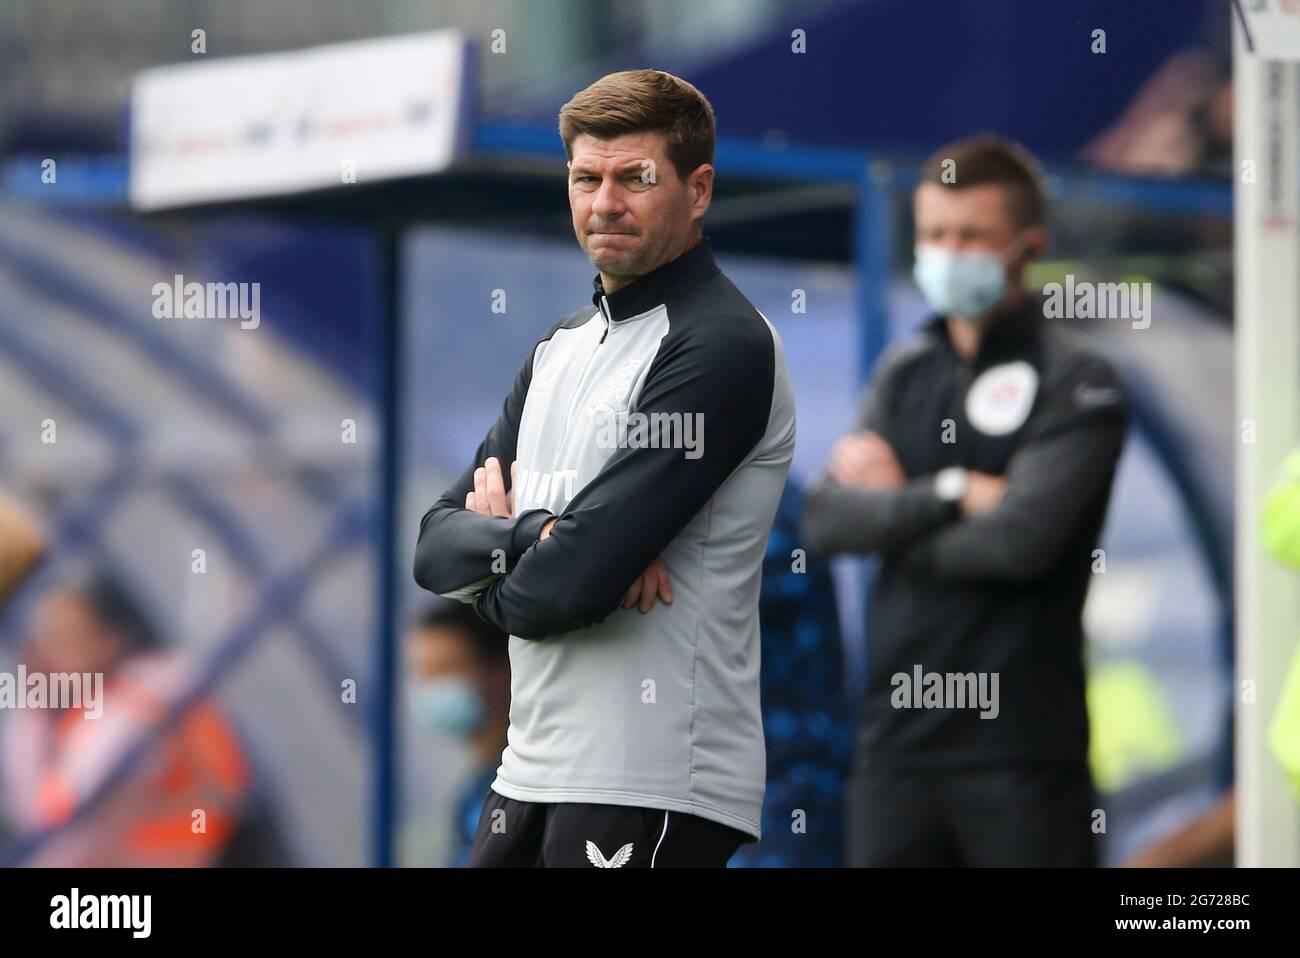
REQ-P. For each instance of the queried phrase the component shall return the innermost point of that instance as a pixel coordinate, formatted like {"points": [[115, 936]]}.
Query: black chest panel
{"points": [[930, 425]]}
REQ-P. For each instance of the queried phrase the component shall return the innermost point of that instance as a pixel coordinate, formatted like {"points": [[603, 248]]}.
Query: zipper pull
{"points": [[604, 311]]}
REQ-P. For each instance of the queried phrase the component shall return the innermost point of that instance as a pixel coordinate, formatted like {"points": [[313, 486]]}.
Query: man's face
{"points": [[66, 637], [974, 218], [439, 653], [632, 212]]}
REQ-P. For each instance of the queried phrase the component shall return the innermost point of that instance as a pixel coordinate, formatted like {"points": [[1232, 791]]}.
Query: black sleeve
{"points": [[1054, 481], [839, 518], [722, 369], [459, 552]]}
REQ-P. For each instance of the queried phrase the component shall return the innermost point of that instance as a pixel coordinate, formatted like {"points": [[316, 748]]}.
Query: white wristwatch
{"points": [[950, 484]]}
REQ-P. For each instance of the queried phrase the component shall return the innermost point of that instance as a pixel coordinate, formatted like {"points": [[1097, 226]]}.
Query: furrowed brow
{"points": [[631, 168]]}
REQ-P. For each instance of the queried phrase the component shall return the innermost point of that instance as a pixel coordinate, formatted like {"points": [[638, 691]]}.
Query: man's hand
{"points": [[865, 460], [489, 496], [651, 584], [983, 492]]}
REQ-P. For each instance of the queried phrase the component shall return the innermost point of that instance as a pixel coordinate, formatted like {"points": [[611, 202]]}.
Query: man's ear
{"points": [[1035, 243], [700, 186]]}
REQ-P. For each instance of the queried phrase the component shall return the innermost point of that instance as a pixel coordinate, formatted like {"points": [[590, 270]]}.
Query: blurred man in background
{"points": [[460, 667], [186, 802], [980, 472]]}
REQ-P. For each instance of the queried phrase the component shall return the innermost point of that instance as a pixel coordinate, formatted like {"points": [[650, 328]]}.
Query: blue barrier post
{"points": [[389, 385]]}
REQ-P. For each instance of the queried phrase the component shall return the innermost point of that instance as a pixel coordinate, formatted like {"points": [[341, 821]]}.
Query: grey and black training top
{"points": [[660, 423]]}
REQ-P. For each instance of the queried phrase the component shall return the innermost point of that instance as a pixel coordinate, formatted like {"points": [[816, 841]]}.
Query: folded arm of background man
{"points": [[641, 499], [1055, 480], [854, 519]]}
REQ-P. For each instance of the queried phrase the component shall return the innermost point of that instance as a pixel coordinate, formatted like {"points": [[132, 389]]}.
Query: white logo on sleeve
{"points": [[1091, 396], [1000, 399], [618, 860]]}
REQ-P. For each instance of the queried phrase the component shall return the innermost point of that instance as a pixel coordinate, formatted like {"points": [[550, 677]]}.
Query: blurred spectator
{"points": [[186, 802], [460, 666], [1180, 120], [1208, 841], [806, 718], [981, 472], [1281, 535]]}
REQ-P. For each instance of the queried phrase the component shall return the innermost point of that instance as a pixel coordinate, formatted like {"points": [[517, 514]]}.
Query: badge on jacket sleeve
{"points": [[999, 401]]}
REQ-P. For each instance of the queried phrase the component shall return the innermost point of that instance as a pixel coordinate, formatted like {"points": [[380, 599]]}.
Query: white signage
{"points": [[308, 119], [1273, 27]]}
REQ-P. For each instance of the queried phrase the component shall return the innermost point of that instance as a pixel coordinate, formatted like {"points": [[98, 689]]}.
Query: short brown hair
{"points": [[634, 101], [486, 641], [989, 159]]}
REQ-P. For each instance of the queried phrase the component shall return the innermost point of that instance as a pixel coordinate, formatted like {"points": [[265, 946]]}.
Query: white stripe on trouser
{"points": [[660, 842]]}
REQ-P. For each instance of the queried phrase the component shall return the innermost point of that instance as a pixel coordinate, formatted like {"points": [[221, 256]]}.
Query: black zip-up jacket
{"points": [[999, 594]]}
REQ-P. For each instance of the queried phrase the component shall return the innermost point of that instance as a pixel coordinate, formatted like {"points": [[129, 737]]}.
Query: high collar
{"points": [[662, 285], [1006, 338]]}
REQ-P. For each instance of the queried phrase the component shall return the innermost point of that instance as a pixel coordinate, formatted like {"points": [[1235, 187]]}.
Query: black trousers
{"points": [[1001, 816], [513, 834]]}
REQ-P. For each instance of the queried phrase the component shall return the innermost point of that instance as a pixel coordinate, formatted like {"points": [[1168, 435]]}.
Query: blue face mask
{"points": [[449, 706], [964, 284]]}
